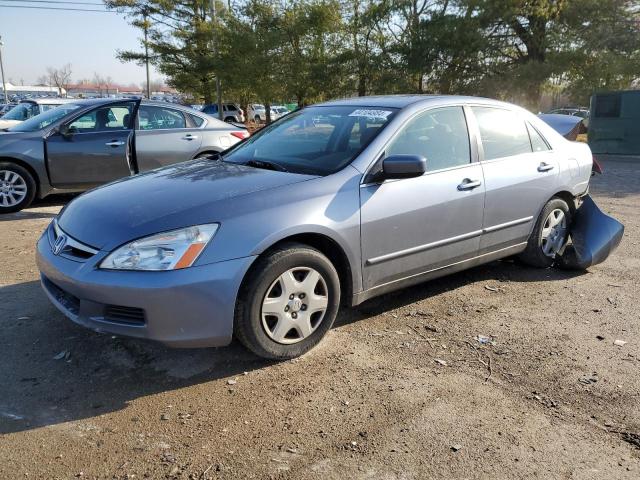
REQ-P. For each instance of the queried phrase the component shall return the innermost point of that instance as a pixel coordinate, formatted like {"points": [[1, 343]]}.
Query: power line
{"points": [[55, 8], [55, 1]]}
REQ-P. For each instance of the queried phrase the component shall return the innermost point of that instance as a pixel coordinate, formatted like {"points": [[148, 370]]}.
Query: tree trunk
{"points": [[267, 112], [362, 84]]}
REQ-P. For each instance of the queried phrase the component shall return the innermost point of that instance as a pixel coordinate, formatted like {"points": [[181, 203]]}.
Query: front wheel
{"points": [[288, 302], [549, 236], [17, 188]]}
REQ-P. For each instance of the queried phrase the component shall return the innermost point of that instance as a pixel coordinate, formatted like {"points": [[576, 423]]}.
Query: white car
{"points": [[258, 114], [29, 108]]}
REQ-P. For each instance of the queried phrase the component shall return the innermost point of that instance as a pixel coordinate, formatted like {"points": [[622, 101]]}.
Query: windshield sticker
{"points": [[371, 113]]}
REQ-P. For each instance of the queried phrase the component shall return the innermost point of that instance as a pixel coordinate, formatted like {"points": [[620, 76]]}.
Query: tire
{"points": [[229, 119], [17, 187], [257, 119], [535, 254], [263, 283]]}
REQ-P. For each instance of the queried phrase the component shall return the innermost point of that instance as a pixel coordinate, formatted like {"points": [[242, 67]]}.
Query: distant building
{"points": [[30, 90], [614, 123], [93, 90]]}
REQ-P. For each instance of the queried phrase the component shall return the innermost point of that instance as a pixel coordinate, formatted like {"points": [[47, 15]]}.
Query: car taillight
{"points": [[241, 134], [596, 167]]}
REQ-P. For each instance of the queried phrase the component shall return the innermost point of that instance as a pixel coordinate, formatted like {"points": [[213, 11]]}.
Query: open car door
{"points": [[93, 148]]}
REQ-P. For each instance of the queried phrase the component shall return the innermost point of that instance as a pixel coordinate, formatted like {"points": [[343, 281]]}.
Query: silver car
{"points": [[331, 205], [85, 143]]}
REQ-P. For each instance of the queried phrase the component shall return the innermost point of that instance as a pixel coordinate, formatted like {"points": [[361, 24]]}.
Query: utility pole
{"points": [[214, 18], [4, 84], [146, 52]]}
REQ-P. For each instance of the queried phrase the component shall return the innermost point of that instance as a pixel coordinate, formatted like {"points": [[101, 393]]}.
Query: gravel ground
{"points": [[401, 388]]}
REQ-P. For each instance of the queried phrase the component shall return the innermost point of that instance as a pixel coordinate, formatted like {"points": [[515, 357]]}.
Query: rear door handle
{"points": [[545, 167], [115, 143], [188, 136], [468, 184]]}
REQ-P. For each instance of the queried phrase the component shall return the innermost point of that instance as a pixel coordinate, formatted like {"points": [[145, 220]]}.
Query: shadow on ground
{"points": [[100, 373], [35, 210]]}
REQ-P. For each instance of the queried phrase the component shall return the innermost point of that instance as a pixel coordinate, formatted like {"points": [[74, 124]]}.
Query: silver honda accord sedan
{"points": [[329, 206]]}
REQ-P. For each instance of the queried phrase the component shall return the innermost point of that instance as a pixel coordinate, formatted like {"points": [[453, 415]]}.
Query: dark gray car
{"points": [[87, 143], [332, 204]]}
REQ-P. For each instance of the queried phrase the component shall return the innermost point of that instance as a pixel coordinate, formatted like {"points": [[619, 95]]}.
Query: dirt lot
{"points": [[400, 389]]}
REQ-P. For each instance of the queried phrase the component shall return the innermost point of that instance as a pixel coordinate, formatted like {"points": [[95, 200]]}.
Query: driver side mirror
{"points": [[403, 166], [64, 130]]}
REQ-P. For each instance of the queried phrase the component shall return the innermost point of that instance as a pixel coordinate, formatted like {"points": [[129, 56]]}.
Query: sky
{"points": [[37, 39]]}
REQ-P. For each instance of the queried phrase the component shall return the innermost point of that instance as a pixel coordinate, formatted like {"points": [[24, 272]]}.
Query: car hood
{"points": [[8, 123], [181, 195]]}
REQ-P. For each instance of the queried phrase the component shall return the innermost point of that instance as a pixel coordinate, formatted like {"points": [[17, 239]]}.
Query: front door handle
{"points": [[468, 184], [115, 143], [188, 136], [545, 167]]}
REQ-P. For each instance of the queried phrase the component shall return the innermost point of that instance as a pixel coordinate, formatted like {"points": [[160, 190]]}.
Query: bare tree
{"points": [[60, 77], [44, 80], [99, 82]]}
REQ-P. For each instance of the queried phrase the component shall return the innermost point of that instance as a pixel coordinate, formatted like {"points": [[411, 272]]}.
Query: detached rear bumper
{"points": [[193, 307]]}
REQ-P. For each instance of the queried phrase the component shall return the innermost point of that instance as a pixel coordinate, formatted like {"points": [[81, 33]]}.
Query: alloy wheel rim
{"points": [[13, 188], [554, 233], [294, 305]]}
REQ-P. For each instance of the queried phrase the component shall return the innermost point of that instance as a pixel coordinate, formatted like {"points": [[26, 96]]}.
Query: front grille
{"points": [[68, 301], [126, 315], [73, 249]]}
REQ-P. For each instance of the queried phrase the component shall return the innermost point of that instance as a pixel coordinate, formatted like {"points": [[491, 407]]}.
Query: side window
{"points": [[440, 135], [33, 110], [538, 144], [104, 119], [159, 118], [503, 132], [46, 108], [196, 120]]}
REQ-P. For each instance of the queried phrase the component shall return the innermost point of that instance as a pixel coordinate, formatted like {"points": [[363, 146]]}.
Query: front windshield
{"points": [[315, 140], [44, 119]]}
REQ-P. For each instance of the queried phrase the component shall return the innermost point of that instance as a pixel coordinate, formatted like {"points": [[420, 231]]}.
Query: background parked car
{"points": [[6, 107], [90, 142], [30, 108], [581, 112], [231, 112], [258, 114]]}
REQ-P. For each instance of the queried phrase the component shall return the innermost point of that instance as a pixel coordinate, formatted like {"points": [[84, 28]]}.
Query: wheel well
{"points": [[206, 152], [329, 248], [569, 198], [27, 167]]}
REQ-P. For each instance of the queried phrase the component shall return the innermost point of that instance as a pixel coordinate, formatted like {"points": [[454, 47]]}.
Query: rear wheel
{"points": [[549, 236], [17, 188], [288, 302]]}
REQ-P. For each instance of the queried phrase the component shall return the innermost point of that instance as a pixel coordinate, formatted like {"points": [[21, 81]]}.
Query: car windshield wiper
{"points": [[266, 165]]}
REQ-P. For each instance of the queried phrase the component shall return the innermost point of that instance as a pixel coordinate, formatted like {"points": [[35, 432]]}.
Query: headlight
{"points": [[164, 251]]}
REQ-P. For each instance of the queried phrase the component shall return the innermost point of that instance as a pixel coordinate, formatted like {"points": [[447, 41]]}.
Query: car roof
{"points": [[106, 101], [402, 101]]}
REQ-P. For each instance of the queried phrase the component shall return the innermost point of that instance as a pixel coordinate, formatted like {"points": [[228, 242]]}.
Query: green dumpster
{"points": [[614, 123]]}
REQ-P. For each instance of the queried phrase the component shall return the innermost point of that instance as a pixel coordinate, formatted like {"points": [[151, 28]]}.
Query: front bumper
{"points": [[193, 307]]}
